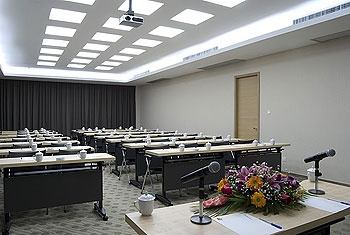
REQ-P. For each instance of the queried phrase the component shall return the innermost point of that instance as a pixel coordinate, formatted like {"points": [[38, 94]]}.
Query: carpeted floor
{"points": [[118, 200]]}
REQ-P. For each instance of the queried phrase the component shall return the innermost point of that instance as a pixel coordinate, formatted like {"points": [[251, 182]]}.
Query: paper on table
{"points": [[325, 204], [246, 224]]}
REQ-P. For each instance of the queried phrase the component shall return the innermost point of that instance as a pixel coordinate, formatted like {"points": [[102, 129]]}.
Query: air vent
{"points": [[322, 13], [200, 54], [158, 80], [332, 36]]}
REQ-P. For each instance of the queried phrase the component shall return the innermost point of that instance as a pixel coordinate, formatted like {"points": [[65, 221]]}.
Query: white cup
{"points": [[59, 139], [176, 131], [39, 156], [272, 141], [228, 137], [208, 146], [145, 204], [31, 141], [82, 154], [201, 134], [173, 140], [255, 142], [148, 140], [185, 135], [182, 147], [214, 137], [69, 145], [34, 146], [311, 174]]}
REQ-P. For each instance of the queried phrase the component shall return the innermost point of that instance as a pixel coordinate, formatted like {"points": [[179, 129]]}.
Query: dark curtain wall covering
{"points": [[64, 106]]}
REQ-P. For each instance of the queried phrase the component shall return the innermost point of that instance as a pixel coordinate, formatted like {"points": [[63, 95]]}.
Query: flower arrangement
{"points": [[255, 189]]}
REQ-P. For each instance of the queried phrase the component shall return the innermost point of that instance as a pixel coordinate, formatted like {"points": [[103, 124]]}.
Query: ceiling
{"points": [[23, 25]]}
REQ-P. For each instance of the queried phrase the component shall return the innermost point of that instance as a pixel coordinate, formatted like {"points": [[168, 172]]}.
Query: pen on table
{"points": [[345, 203], [275, 225]]}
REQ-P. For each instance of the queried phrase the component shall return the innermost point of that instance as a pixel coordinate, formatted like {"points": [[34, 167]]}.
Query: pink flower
{"points": [[227, 190], [286, 199]]}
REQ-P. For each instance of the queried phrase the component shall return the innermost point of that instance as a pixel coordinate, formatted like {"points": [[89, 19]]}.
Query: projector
{"points": [[130, 20]]}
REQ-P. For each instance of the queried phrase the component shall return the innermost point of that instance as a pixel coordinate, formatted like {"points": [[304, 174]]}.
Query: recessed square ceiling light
{"points": [[106, 37], [111, 63], [76, 66], [51, 51], [46, 63], [88, 54], [121, 57], [55, 42], [103, 68], [164, 31], [48, 57], [66, 15], [147, 42], [226, 3], [132, 51], [192, 17], [95, 47], [87, 2], [80, 60], [113, 23], [60, 31], [144, 7]]}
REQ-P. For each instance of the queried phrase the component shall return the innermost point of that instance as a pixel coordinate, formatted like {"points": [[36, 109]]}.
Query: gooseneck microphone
{"points": [[213, 167], [320, 156]]}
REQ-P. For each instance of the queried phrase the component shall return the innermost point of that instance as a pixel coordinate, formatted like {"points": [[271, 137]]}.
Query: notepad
{"points": [[245, 224], [325, 204]]}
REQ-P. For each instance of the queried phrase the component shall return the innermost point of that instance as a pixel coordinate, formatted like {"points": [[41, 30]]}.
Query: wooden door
{"points": [[247, 110]]}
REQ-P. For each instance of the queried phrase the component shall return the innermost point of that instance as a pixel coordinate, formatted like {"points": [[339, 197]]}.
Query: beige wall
{"points": [[307, 91]]}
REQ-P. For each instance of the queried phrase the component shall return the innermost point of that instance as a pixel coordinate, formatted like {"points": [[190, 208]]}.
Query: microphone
{"points": [[320, 156], [213, 167]]}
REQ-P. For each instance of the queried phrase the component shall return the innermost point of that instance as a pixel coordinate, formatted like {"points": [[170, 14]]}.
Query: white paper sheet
{"points": [[246, 224], [325, 204]]}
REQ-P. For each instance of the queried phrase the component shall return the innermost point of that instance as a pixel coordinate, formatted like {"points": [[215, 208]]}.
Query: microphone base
{"points": [[316, 191], [196, 219]]}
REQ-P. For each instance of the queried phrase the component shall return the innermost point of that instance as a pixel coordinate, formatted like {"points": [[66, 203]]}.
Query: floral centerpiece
{"points": [[255, 189]]}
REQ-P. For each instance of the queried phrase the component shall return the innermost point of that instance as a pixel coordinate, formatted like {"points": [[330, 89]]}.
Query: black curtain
{"points": [[65, 106]]}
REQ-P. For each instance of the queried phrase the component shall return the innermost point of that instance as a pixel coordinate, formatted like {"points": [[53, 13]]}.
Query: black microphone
{"points": [[320, 156], [213, 167]]}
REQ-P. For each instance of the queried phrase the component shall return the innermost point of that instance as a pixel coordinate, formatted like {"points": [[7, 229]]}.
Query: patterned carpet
{"points": [[118, 200]]}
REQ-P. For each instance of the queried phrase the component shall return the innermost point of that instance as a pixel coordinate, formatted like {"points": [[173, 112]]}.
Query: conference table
{"points": [[43, 143], [176, 163], [314, 218], [48, 150], [60, 180]]}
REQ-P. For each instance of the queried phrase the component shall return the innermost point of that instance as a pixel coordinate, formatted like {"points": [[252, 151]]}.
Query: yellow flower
{"points": [[258, 199], [221, 184], [255, 182]]}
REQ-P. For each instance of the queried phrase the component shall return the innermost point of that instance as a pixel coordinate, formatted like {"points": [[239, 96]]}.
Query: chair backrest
{"points": [[70, 151], [226, 142], [22, 154], [19, 139], [187, 138], [157, 147], [244, 141], [20, 146], [58, 145], [189, 145]]}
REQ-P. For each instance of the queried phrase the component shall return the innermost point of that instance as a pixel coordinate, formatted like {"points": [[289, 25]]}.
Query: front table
{"points": [[305, 221], [55, 181]]}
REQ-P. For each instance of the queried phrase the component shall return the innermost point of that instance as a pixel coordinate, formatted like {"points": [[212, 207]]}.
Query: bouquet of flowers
{"points": [[255, 189]]}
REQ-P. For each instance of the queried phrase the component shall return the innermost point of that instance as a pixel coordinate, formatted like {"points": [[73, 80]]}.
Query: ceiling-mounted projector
{"points": [[131, 20]]}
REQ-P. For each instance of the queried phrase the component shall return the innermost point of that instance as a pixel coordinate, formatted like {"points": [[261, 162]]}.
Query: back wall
{"points": [[306, 90]]}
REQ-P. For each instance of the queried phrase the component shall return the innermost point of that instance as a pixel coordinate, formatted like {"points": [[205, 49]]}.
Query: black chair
{"points": [[58, 145], [244, 141], [191, 145], [128, 156], [71, 151], [153, 165], [217, 143], [187, 138], [28, 153], [21, 146]]}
